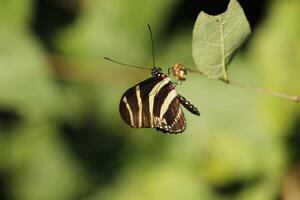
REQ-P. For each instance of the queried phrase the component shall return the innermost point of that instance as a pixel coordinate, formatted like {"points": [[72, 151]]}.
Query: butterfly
{"points": [[154, 102]]}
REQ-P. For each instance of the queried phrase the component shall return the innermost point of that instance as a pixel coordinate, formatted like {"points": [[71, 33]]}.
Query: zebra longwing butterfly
{"points": [[154, 102]]}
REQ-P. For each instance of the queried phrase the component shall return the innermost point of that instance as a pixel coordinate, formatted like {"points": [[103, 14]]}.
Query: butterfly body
{"points": [[154, 103]]}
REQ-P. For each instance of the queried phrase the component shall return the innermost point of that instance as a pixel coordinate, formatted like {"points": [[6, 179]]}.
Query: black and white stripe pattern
{"points": [[154, 103]]}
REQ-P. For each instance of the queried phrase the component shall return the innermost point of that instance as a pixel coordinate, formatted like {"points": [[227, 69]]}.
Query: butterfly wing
{"points": [[173, 120], [153, 103], [137, 103]]}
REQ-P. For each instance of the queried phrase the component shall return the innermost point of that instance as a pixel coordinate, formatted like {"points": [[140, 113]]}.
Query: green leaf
{"points": [[216, 38]]}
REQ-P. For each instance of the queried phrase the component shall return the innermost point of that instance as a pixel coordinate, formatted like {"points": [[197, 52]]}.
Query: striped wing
{"points": [[173, 120], [136, 102], [153, 103]]}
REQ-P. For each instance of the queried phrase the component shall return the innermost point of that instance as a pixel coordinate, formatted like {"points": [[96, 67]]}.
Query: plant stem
{"points": [[256, 89], [263, 90]]}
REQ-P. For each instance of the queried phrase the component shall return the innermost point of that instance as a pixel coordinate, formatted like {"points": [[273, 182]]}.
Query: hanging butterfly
{"points": [[154, 102]]}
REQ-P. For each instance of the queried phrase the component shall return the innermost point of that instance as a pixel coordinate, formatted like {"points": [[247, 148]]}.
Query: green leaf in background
{"points": [[102, 30], [216, 38], [15, 14]]}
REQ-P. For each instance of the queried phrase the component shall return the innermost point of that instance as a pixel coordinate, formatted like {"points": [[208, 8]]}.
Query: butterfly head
{"points": [[157, 71], [179, 72]]}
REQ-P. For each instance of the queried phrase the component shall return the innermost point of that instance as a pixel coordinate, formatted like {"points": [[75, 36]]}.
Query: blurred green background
{"points": [[61, 136]]}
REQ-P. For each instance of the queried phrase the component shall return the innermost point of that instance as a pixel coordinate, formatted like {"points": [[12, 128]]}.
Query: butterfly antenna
{"points": [[152, 43], [128, 65]]}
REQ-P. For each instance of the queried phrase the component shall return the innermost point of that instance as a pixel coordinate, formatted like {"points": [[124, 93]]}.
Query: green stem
{"points": [[294, 98]]}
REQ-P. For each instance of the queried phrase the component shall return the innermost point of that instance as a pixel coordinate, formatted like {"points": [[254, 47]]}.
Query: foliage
{"points": [[216, 38]]}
